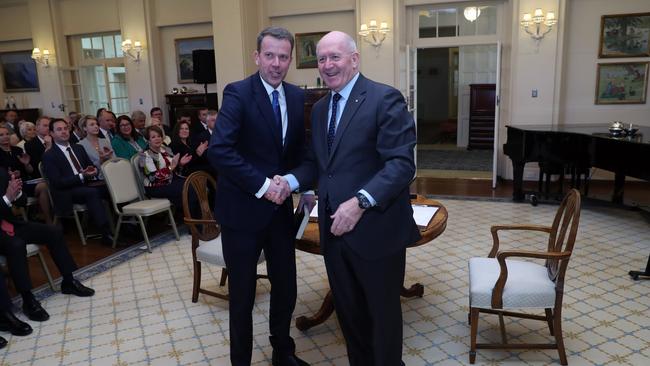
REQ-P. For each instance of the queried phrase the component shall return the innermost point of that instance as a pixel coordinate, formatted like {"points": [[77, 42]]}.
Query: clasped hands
{"points": [[344, 220]]}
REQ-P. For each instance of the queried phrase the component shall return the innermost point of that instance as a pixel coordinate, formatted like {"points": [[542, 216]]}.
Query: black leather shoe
{"points": [[17, 327], [288, 360], [76, 288], [34, 311], [3, 343]]}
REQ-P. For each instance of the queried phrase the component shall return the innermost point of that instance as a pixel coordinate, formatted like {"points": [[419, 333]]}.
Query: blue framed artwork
{"points": [[184, 48], [18, 71]]}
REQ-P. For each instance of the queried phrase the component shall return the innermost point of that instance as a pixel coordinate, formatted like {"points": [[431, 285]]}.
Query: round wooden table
{"points": [[310, 243]]}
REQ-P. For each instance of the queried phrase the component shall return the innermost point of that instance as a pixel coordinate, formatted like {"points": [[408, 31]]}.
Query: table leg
{"points": [[416, 289], [326, 309]]}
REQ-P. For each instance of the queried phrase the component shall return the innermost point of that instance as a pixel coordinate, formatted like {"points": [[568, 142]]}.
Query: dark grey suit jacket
{"points": [[372, 150]]}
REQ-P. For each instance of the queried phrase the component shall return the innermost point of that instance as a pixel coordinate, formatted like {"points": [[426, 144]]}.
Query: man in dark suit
{"points": [[202, 125], [259, 133], [200, 142], [72, 179], [37, 146], [14, 236], [106, 120], [362, 155]]}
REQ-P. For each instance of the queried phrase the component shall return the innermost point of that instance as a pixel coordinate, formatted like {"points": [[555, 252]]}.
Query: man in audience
{"points": [[200, 142], [197, 128], [11, 122], [156, 113], [8, 321], [14, 236], [139, 120], [73, 179], [106, 122], [260, 133], [75, 132], [37, 146]]}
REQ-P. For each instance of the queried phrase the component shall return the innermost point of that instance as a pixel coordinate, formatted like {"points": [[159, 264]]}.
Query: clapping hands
{"points": [[278, 190]]}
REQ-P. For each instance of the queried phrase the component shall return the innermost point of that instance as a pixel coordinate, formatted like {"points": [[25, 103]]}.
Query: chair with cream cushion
{"points": [[499, 284], [206, 238], [127, 199]]}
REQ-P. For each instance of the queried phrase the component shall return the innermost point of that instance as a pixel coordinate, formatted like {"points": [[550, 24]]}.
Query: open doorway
{"points": [[447, 77]]}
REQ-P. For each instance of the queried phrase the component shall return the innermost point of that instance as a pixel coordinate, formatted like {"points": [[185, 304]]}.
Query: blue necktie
{"points": [[331, 132], [276, 111]]}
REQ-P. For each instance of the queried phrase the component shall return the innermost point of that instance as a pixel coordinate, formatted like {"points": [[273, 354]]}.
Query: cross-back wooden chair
{"points": [[205, 231], [499, 284]]}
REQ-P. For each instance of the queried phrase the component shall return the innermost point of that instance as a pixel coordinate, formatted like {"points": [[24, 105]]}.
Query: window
{"points": [[450, 22], [100, 72]]}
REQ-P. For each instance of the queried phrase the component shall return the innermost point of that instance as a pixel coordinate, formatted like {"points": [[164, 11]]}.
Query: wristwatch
{"points": [[364, 202]]}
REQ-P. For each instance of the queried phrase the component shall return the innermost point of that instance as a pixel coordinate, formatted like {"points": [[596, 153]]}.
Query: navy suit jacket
{"points": [[61, 177], [246, 148], [372, 150]]}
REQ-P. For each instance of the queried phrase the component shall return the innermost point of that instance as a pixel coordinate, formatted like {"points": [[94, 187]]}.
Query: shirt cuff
{"points": [[265, 187], [293, 182], [81, 177], [6, 199], [369, 197]]}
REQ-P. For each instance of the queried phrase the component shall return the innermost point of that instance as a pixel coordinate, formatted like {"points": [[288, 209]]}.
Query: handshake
{"points": [[278, 190]]}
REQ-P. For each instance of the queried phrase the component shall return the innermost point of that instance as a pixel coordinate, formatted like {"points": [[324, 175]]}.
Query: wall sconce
{"points": [[42, 58], [373, 34], [471, 13], [132, 49], [537, 19]]}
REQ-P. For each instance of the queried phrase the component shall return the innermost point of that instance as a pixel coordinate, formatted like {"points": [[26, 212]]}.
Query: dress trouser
{"points": [[93, 198], [5, 301], [241, 249], [15, 249], [367, 302]]}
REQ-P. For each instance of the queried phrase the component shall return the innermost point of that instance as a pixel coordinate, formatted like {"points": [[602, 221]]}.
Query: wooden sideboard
{"points": [[27, 114], [481, 116], [178, 104], [312, 96]]}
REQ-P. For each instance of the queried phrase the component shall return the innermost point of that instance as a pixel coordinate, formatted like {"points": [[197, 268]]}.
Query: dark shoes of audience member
{"points": [[287, 360], [9, 323], [33, 309], [74, 287]]}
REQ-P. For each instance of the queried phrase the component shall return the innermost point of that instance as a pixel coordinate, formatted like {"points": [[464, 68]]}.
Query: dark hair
{"points": [[154, 109], [156, 129], [54, 121], [124, 117], [184, 114], [99, 112], [275, 32], [177, 128]]}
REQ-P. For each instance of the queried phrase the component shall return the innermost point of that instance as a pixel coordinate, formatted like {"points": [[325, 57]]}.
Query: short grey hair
{"points": [[275, 32], [138, 115], [22, 127]]}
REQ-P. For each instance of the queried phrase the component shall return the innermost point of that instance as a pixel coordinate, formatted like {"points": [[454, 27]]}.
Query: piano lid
{"points": [[642, 136]]}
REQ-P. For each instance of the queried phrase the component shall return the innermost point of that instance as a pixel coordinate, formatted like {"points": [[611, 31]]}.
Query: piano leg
{"points": [[518, 180], [619, 183], [635, 274]]}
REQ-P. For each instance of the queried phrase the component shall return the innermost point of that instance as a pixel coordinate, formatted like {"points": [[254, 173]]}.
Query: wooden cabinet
{"points": [[178, 104], [312, 96], [27, 114], [481, 116]]}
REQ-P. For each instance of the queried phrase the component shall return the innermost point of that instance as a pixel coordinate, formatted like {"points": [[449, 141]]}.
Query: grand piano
{"points": [[579, 145]]}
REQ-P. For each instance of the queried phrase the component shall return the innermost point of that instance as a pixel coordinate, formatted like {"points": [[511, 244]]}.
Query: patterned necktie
{"points": [[331, 132], [276, 111], [75, 162]]}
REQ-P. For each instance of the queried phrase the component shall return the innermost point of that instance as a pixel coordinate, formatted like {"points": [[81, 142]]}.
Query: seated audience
{"points": [[203, 139], [157, 114], [107, 122], [73, 179], [161, 169], [98, 149], [139, 121], [38, 145], [11, 122], [127, 142], [76, 134], [27, 131], [14, 236], [165, 136], [13, 159], [197, 128]]}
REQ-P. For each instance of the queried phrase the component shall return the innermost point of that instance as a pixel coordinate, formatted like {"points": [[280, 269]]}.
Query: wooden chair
{"points": [[128, 200], [206, 238], [498, 285]]}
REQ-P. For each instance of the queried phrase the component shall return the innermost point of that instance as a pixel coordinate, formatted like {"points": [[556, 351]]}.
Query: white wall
{"points": [[581, 64], [88, 16], [175, 12], [167, 53], [16, 26], [321, 22]]}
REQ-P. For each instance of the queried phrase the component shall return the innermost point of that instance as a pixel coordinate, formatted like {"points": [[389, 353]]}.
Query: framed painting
{"points": [[19, 71], [184, 48], [624, 35], [622, 83], [306, 49]]}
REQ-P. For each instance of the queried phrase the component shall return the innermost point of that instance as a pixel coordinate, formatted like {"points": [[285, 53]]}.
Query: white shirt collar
{"points": [[270, 89]]}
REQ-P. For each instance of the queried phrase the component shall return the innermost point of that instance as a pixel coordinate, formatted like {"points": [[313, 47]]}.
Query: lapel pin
{"points": [[356, 100]]}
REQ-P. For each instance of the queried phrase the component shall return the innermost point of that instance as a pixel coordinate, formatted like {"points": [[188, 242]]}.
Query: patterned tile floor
{"points": [[142, 313]]}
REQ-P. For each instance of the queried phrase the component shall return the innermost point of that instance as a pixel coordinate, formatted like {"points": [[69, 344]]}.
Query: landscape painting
{"points": [[622, 83], [625, 35]]}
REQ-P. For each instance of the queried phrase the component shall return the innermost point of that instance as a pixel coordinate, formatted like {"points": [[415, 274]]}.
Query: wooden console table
{"points": [[310, 243]]}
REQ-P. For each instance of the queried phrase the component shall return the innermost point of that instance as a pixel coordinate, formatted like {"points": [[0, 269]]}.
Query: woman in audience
{"points": [[127, 142], [98, 148], [181, 144], [158, 123], [27, 131], [14, 158], [161, 169]]}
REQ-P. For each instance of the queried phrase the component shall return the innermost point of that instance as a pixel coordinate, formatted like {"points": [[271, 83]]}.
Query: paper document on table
{"points": [[423, 214]]}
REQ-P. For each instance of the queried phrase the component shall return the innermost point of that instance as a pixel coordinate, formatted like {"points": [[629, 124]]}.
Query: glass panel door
{"points": [[93, 79], [119, 98]]}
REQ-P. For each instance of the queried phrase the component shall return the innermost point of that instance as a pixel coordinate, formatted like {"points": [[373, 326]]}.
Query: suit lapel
{"points": [[292, 110], [319, 130], [357, 96], [264, 105]]}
